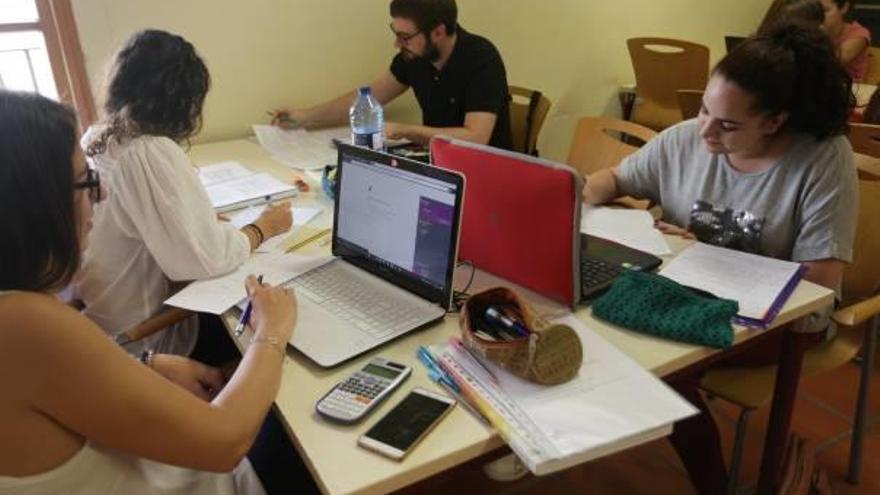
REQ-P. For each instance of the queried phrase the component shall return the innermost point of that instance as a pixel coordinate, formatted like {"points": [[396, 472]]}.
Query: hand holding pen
{"points": [[271, 311]]}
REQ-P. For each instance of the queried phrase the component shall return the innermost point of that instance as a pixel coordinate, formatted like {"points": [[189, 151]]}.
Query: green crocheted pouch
{"points": [[658, 306]]}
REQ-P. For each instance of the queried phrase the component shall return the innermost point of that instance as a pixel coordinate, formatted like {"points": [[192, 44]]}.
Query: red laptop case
{"points": [[521, 216]]}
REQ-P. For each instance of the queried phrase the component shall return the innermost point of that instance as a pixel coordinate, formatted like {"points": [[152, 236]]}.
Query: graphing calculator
{"points": [[351, 399]]}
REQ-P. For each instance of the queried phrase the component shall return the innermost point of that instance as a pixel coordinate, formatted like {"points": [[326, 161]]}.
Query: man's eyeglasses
{"points": [[92, 182], [403, 37]]}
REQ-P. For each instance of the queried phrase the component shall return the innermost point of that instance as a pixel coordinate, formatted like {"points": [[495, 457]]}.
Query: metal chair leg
{"points": [[736, 458], [861, 419]]}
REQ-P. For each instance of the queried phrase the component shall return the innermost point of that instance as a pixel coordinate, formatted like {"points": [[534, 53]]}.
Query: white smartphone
{"points": [[403, 427]]}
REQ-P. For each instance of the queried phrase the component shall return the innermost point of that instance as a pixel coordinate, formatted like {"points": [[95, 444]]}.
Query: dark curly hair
{"points": [[792, 67], [40, 250], [157, 86]]}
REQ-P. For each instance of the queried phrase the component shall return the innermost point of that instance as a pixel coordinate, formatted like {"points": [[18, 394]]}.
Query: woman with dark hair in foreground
{"points": [[78, 414]]}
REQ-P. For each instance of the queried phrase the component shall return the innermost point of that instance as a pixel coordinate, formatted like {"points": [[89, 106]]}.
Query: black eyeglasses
{"points": [[92, 182], [403, 37]]}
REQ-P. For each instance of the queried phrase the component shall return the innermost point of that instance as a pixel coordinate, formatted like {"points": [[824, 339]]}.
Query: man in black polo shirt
{"points": [[458, 79]]}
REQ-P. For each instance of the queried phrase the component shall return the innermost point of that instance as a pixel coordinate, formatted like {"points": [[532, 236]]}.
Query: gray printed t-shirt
{"points": [[802, 208]]}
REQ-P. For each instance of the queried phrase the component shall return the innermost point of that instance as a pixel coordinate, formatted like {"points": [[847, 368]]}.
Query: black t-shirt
{"points": [[472, 80]]}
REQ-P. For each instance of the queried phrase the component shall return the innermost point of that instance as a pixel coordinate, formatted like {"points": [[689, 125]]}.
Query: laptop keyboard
{"points": [[597, 274], [359, 302]]}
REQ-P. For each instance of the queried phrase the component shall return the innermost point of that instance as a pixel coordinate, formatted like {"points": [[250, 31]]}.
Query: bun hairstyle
{"points": [[157, 87], [792, 67]]}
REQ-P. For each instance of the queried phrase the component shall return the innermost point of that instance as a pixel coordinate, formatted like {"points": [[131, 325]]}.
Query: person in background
{"points": [[765, 168], [851, 38], [811, 12], [79, 415], [458, 78], [157, 229]]}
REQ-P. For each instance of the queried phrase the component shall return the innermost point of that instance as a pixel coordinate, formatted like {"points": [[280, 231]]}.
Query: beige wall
{"points": [[264, 53]]}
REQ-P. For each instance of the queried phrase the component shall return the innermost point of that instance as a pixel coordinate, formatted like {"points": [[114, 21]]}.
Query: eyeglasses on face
{"points": [[92, 182], [403, 37]]}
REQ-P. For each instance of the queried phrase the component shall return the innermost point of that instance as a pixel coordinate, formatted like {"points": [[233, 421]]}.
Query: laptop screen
{"points": [[398, 219]]}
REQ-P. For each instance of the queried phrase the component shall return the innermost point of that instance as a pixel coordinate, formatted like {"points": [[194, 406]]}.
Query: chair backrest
{"points": [[872, 76], [690, 101], [865, 139], [599, 142], [661, 67], [528, 110], [862, 277]]}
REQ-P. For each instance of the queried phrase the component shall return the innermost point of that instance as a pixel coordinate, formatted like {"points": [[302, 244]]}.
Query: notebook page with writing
{"points": [[216, 173], [755, 282]]}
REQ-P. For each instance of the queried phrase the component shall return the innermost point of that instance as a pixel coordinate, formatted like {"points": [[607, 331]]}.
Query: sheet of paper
{"points": [[633, 228], [594, 414], [299, 148], [751, 280], [247, 188], [216, 295], [301, 216], [222, 172]]}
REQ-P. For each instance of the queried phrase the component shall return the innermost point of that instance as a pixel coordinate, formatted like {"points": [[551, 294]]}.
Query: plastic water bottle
{"points": [[367, 121]]}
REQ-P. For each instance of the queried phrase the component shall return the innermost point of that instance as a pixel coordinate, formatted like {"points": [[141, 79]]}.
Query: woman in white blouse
{"points": [[157, 229]]}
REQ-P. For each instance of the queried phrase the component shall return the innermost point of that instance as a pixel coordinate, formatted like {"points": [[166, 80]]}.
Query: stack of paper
{"points": [[612, 404], [759, 284], [231, 186], [299, 148], [633, 228]]}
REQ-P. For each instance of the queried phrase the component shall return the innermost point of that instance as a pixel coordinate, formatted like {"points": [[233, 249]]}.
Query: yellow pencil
{"points": [[317, 235]]}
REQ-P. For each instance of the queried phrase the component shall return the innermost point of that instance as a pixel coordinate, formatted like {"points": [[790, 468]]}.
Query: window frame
{"points": [[58, 25]]}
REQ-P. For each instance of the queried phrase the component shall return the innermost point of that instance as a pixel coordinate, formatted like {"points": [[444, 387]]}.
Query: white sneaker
{"points": [[507, 468]]}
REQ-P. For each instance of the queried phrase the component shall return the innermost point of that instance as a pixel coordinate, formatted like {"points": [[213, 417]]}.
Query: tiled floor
{"points": [[823, 414]]}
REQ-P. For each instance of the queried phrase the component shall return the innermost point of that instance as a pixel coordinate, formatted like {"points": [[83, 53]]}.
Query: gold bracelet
{"points": [[272, 341]]}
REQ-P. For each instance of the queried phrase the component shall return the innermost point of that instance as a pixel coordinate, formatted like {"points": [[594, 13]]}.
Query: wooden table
{"points": [[340, 467]]}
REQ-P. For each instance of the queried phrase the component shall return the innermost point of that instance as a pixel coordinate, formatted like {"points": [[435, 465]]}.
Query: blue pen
{"points": [[439, 375], [495, 316], [246, 314], [434, 370]]}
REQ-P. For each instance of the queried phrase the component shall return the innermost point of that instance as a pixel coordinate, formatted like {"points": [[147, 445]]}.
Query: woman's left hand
{"points": [[202, 380], [669, 229]]}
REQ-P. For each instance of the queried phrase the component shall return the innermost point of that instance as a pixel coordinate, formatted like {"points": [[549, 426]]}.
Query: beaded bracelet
{"points": [[258, 231]]}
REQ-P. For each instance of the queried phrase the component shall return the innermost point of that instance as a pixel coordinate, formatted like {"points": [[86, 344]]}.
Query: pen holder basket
{"points": [[549, 355]]}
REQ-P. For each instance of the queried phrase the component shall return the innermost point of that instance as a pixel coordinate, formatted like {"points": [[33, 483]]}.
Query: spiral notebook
{"points": [[760, 285]]}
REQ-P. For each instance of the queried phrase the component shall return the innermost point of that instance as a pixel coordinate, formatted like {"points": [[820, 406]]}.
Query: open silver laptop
{"points": [[395, 239]]}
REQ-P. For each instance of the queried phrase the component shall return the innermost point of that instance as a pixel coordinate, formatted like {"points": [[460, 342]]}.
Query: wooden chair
{"points": [[690, 101], [872, 76], [528, 110], [865, 139], [602, 142], [662, 66], [858, 322], [150, 326]]}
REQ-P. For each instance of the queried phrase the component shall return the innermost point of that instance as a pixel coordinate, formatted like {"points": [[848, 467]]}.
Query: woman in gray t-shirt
{"points": [[764, 168]]}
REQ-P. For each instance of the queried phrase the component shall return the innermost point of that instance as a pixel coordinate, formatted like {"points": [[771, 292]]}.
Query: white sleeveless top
{"points": [[97, 471]]}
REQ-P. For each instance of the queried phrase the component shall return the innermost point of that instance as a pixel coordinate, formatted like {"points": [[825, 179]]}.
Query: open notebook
{"points": [[231, 186], [611, 405], [759, 284]]}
